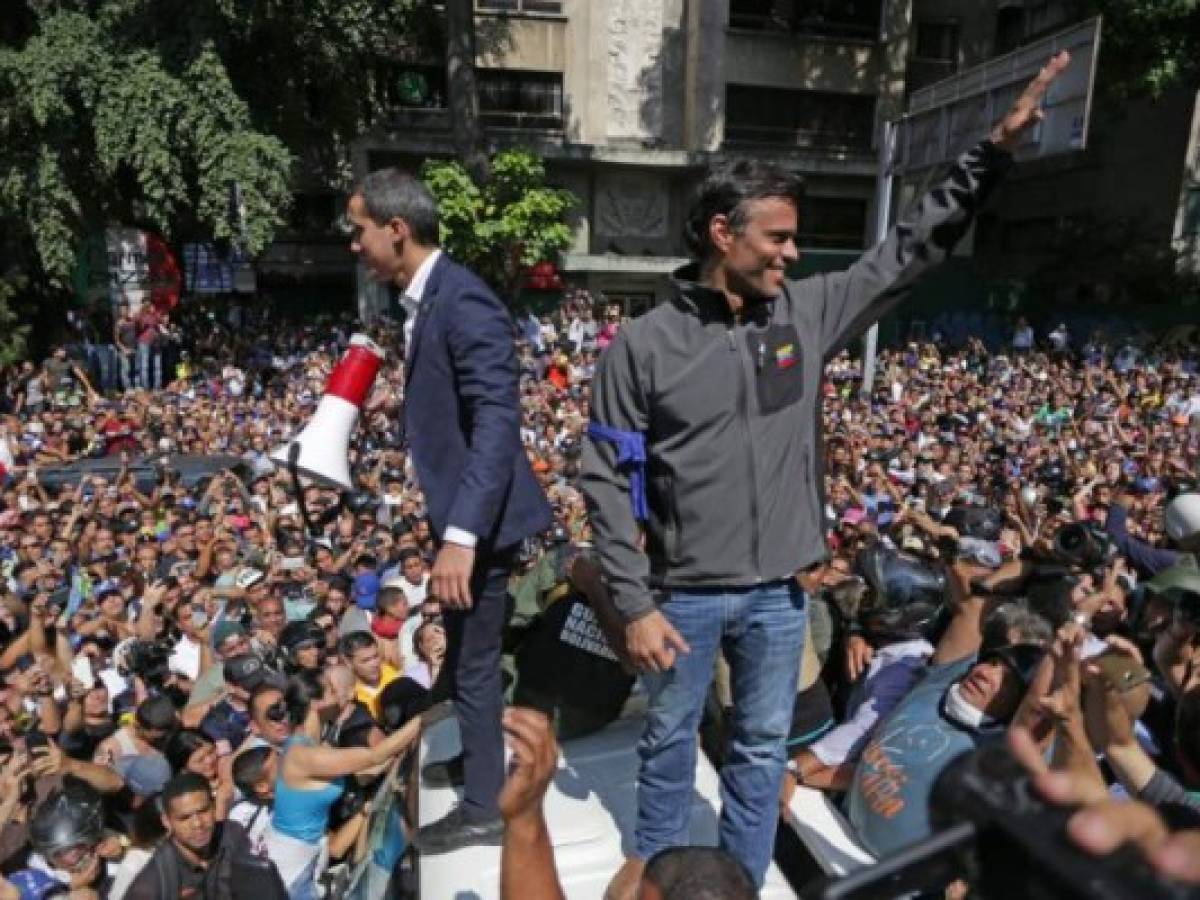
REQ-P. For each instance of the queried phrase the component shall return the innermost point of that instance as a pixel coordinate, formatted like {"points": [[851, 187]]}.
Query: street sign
{"points": [[945, 119]]}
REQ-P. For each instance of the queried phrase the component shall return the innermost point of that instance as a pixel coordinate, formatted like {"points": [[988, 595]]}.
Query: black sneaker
{"points": [[445, 773], [454, 831]]}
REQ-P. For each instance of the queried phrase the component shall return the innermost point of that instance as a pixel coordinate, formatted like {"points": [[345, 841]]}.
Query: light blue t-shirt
{"points": [[889, 799]]}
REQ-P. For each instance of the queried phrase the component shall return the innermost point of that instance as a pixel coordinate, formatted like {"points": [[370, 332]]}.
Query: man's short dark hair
{"points": [[248, 769], [157, 713], [181, 785], [394, 194], [726, 190], [355, 641], [699, 873]]}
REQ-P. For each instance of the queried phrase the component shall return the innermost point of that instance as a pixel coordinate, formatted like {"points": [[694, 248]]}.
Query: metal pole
{"points": [[883, 209]]}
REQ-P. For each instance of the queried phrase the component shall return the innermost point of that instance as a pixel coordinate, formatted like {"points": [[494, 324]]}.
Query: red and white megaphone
{"points": [[319, 451]]}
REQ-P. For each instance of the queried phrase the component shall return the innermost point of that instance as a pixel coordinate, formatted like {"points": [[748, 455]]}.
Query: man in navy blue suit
{"points": [[462, 418]]}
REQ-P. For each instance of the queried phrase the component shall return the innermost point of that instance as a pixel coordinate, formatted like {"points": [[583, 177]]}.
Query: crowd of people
{"points": [[197, 691]]}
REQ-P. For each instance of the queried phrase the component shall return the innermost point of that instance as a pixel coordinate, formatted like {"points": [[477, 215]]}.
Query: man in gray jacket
{"points": [[703, 471]]}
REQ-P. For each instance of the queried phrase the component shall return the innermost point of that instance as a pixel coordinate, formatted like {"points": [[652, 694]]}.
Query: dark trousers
{"points": [[472, 667]]}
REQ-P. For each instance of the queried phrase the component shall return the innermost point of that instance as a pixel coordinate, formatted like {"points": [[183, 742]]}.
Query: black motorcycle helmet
{"points": [[905, 594], [70, 817]]}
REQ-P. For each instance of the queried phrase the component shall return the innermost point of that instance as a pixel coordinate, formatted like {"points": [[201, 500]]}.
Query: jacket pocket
{"points": [[778, 367]]}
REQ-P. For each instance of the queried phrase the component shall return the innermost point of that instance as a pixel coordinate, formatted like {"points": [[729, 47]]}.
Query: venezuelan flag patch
{"points": [[785, 356]]}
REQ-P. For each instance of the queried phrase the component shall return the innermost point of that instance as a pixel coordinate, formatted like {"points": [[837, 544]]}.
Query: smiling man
{"points": [[703, 470]]}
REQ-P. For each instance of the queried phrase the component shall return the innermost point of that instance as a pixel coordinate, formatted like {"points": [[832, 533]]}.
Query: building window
{"points": [[520, 6], [808, 119], [823, 18], [1191, 213], [1010, 28], [1044, 17], [937, 41], [512, 99], [833, 223]]}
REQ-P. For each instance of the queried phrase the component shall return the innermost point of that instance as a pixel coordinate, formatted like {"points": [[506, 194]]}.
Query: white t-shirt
{"points": [[185, 658], [415, 593], [254, 817]]}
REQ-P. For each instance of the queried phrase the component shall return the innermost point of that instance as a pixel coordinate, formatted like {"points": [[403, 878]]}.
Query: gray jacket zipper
{"points": [[744, 409]]}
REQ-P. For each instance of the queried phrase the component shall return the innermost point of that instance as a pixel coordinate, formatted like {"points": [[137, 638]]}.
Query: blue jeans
{"points": [[149, 361], [761, 631], [125, 366], [304, 886]]}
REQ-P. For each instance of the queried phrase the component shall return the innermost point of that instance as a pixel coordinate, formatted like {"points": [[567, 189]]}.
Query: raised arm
{"points": [[303, 761]]}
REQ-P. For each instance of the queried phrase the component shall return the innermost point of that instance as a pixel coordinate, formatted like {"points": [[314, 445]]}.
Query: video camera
{"points": [[1083, 546], [996, 833]]}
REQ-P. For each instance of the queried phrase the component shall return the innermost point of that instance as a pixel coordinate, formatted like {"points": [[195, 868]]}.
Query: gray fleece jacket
{"points": [[730, 410]]}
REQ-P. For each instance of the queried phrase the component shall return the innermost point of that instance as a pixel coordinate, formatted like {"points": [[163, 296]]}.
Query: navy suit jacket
{"points": [[462, 413]]}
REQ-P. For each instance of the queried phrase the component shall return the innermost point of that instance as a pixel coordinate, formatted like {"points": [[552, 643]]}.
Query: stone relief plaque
{"points": [[635, 77]]}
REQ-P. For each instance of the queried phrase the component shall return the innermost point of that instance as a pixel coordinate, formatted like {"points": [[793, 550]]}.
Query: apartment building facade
{"points": [[628, 101]]}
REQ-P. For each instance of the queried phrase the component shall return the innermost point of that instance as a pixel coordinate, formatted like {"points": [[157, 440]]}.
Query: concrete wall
{"points": [[536, 44]]}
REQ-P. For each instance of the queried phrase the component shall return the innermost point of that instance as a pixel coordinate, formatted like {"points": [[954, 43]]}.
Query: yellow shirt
{"points": [[369, 696]]}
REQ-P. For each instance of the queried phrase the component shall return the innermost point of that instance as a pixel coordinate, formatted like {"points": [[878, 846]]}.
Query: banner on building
{"points": [[141, 269]]}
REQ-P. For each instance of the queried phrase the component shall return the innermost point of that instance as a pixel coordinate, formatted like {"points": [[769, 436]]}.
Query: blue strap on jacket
{"points": [[631, 452]]}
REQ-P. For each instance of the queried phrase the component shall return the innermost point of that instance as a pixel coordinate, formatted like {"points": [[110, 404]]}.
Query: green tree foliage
{"points": [[144, 112], [96, 127], [506, 225], [1148, 45], [13, 335]]}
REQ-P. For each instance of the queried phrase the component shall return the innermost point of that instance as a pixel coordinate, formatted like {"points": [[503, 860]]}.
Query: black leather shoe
{"points": [[454, 831], [445, 773]]}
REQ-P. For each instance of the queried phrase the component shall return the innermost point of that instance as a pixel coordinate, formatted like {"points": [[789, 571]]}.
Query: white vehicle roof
{"points": [[590, 810]]}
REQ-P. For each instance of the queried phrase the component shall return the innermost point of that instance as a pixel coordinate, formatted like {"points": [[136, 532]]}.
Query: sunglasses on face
{"points": [[277, 712]]}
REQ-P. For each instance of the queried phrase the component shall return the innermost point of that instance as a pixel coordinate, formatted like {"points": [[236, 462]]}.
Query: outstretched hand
{"points": [[534, 761], [1026, 111]]}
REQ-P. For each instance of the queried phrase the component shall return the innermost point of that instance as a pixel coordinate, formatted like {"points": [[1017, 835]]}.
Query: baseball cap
{"points": [[394, 582], [145, 775], [246, 672], [366, 588], [225, 630]]}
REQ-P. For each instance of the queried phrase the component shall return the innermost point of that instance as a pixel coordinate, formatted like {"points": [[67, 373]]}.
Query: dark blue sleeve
{"points": [[1147, 560], [481, 339]]}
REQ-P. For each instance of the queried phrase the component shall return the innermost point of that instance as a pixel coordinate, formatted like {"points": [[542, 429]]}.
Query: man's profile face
{"points": [[378, 246], [189, 819], [755, 260]]}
